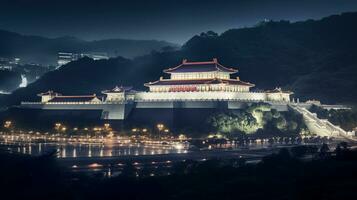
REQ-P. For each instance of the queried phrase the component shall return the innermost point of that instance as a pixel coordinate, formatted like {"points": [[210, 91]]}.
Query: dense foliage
{"points": [[9, 80], [257, 118]]}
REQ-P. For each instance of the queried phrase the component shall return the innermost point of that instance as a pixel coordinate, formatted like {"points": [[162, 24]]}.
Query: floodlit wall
{"points": [[278, 96], [109, 110], [115, 96], [187, 96], [164, 100]]}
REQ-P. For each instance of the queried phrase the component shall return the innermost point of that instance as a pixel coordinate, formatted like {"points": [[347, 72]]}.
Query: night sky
{"points": [[174, 21]]}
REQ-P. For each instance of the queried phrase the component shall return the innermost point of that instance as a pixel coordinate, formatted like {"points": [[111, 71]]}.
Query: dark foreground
{"points": [[300, 173]]}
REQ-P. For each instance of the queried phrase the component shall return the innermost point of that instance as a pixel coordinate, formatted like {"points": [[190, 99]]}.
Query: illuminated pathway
{"points": [[320, 127]]}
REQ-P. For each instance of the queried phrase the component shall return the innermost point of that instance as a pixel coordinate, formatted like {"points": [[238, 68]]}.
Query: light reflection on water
{"points": [[73, 150]]}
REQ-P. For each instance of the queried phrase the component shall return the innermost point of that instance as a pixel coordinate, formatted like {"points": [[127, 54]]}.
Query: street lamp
{"points": [[7, 124], [106, 125], [182, 137], [58, 126], [160, 127]]}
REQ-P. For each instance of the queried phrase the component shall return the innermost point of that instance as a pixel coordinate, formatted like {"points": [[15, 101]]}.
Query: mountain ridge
{"points": [[43, 50], [314, 58]]}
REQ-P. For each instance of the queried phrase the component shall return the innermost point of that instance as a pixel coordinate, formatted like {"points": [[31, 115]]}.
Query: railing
{"points": [[203, 100], [154, 100], [321, 123], [204, 92], [73, 103]]}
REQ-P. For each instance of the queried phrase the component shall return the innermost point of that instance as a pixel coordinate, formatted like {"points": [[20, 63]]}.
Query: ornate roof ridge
{"points": [[214, 62], [117, 89]]}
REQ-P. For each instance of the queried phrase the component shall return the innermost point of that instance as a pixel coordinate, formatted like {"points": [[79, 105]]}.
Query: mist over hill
{"points": [[315, 58], [44, 50], [9, 80]]}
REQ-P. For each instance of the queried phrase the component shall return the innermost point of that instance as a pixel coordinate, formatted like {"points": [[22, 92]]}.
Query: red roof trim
{"points": [[76, 96], [200, 63], [199, 81]]}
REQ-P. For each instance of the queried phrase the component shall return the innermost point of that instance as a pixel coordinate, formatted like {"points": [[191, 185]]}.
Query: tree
{"points": [[209, 34]]}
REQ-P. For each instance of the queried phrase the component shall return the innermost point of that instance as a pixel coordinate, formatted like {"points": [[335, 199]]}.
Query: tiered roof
{"points": [[199, 81], [208, 66], [82, 98]]}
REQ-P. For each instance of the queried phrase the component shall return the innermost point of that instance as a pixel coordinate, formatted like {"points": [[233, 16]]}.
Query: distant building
{"points": [[314, 102], [8, 63], [95, 56], [66, 57], [53, 97], [5, 67]]}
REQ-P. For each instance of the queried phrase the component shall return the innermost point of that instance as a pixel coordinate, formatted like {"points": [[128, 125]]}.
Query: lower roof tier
{"points": [[166, 82]]}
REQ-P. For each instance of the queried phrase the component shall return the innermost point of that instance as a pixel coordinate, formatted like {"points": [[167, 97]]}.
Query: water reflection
{"points": [[73, 150]]}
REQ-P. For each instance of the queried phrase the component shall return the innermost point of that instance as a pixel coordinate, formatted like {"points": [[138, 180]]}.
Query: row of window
{"points": [[201, 75], [199, 88]]}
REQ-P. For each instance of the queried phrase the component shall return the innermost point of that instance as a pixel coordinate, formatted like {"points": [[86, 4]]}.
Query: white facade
{"points": [[200, 75], [280, 96], [119, 96], [200, 88], [45, 97], [191, 81], [209, 76], [200, 96], [115, 96]]}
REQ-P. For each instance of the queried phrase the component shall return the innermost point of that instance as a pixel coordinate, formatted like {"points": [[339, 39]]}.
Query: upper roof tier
{"points": [[208, 66]]}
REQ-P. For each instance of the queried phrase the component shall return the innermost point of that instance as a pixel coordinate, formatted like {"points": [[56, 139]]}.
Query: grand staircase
{"points": [[320, 127]]}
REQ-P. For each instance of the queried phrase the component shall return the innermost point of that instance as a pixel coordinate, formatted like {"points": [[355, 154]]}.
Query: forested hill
{"points": [[44, 50], [317, 59]]}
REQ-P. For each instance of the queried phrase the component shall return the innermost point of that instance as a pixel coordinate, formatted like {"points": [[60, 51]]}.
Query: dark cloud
{"points": [[169, 20]]}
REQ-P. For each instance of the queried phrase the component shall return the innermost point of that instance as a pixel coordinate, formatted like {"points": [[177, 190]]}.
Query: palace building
{"points": [[199, 77], [190, 86]]}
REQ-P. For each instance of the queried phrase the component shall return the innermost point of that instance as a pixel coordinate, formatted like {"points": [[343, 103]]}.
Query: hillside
{"points": [[9, 80], [44, 50], [314, 58]]}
